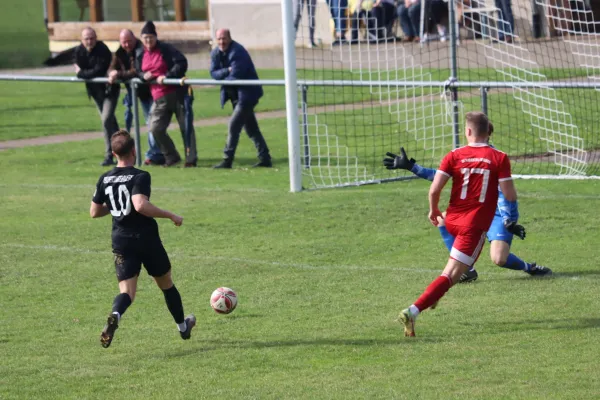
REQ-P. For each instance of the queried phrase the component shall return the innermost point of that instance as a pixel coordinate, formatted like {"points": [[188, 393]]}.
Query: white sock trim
{"points": [[414, 310], [118, 316], [182, 327]]}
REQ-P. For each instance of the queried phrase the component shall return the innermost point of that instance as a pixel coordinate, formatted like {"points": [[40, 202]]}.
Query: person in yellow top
{"points": [[362, 9], [378, 16]]}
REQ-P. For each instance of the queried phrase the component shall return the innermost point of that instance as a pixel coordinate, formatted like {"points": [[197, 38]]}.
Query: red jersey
{"points": [[476, 171], [153, 62]]}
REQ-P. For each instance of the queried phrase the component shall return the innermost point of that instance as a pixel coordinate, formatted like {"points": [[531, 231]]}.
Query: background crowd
{"points": [[153, 61]]}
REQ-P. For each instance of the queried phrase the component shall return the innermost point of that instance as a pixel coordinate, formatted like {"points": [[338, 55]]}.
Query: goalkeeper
{"points": [[499, 235]]}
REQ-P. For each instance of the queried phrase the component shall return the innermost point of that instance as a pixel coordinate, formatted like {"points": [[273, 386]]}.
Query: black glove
{"points": [[515, 229], [399, 162]]}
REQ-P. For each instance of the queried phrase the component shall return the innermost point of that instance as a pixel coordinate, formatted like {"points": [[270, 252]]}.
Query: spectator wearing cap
{"points": [[160, 61], [92, 60]]}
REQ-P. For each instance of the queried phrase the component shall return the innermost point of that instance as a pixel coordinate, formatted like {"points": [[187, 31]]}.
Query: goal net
{"points": [[365, 89]]}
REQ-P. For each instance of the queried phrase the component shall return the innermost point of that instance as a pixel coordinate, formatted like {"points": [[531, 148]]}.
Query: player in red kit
{"points": [[476, 171]]}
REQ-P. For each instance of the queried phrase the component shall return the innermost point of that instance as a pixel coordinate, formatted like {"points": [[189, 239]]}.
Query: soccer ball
{"points": [[223, 300]]}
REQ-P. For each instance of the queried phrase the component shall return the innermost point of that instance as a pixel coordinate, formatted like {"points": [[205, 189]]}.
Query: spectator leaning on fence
{"points": [[123, 68], [92, 60], [160, 61], [230, 61]]}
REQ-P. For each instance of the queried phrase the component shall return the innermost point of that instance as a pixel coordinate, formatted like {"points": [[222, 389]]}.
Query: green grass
{"points": [[425, 130], [321, 276], [45, 109], [24, 39]]}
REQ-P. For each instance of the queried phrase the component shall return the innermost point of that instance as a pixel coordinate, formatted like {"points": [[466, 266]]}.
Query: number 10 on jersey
{"points": [[124, 200]]}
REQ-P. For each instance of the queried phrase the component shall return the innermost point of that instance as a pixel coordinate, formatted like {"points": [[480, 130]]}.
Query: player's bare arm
{"points": [[508, 189], [144, 207], [98, 210], [435, 191]]}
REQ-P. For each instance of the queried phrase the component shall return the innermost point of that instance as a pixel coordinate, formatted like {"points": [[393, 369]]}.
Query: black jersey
{"points": [[115, 188]]}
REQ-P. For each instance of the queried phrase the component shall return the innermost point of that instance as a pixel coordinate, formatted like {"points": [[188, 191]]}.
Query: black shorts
{"points": [[130, 253]]}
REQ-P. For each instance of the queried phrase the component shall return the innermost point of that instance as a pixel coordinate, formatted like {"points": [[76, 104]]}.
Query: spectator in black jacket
{"points": [[156, 63], [92, 59]]}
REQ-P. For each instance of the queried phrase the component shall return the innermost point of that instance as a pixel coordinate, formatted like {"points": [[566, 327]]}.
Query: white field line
{"points": [[258, 262], [183, 256]]}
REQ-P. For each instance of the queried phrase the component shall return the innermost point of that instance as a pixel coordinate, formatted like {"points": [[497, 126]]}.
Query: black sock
{"points": [[174, 304], [120, 304]]}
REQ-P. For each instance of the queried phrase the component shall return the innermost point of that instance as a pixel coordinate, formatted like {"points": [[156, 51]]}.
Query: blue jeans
{"points": [[153, 152], [338, 13], [507, 16], [410, 19]]}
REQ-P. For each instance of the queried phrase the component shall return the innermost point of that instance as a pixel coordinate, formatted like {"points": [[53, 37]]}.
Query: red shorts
{"points": [[468, 242]]}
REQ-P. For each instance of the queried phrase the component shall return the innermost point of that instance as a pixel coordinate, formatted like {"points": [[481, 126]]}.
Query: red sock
{"points": [[433, 293]]}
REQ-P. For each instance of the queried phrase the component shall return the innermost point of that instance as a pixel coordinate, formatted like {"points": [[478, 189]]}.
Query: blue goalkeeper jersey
{"points": [[505, 209]]}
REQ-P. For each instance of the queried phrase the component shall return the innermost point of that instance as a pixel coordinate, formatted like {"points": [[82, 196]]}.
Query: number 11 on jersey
{"points": [[467, 174]]}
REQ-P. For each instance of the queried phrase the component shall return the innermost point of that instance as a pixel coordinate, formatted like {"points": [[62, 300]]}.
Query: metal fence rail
{"points": [[304, 85], [280, 82]]}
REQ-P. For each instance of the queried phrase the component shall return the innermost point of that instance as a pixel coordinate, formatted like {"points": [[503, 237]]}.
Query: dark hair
{"points": [[479, 122], [491, 130], [122, 143]]}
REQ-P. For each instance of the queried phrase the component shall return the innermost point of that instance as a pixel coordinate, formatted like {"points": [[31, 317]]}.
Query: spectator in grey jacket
{"points": [[92, 59], [230, 61]]}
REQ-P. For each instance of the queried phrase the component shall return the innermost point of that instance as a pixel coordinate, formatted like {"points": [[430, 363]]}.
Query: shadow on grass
{"points": [[588, 274], [241, 163], [219, 344], [577, 274]]}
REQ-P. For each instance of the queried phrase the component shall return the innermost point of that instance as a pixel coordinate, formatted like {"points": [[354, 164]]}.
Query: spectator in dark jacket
{"points": [[156, 63], [123, 68], [230, 61], [92, 59]]}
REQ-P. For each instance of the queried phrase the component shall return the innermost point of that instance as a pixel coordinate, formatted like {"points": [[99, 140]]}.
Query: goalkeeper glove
{"points": [[515, 229], [399, 162]]}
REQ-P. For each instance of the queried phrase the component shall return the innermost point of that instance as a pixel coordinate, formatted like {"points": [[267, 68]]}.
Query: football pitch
{"points": [[320, 275]]}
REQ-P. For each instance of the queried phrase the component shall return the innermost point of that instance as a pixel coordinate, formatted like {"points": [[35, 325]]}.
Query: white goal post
{"points": [[375, 92]]}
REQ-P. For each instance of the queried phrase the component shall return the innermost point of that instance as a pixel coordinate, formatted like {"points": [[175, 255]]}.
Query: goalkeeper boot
{"points": [[469, 276], [190, 322], [408, 319], [108, 332], [539, 270]]}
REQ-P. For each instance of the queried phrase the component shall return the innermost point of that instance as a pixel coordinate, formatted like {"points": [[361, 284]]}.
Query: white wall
{"points": [[257, 23]]}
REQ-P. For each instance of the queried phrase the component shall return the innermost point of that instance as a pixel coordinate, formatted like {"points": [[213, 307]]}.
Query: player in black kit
{"points": [[124, 193]]}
